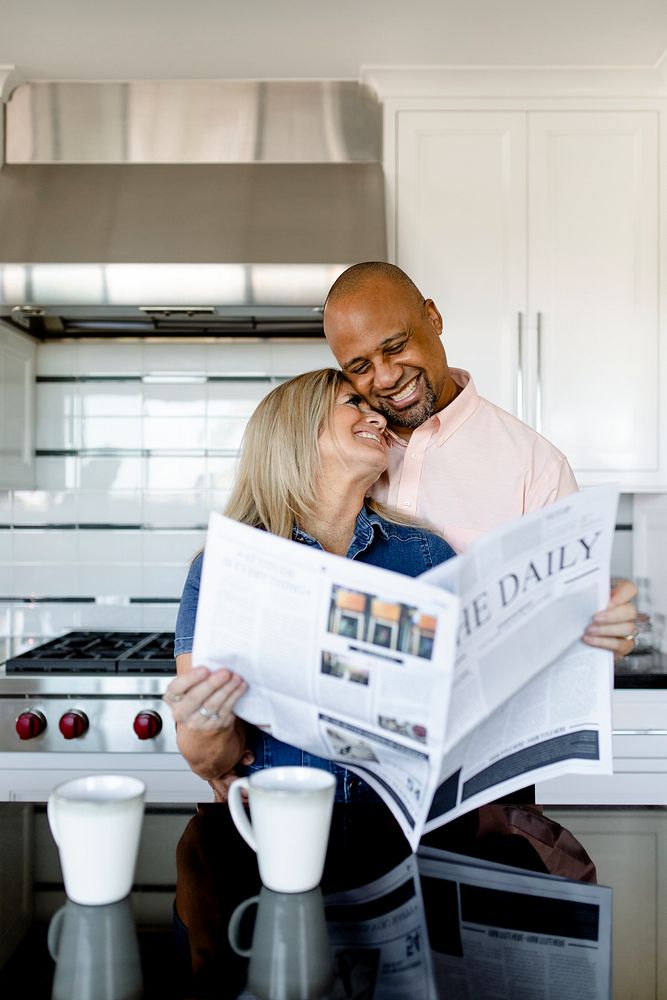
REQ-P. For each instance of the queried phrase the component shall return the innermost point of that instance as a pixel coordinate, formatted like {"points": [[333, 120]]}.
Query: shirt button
{"points": [[414, 455], [406, 504]]}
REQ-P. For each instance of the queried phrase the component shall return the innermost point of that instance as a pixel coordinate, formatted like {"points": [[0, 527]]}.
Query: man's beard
{"points": [[415, 415]]}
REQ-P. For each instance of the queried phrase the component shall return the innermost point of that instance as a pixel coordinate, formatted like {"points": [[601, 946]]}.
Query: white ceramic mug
{"points": [[96, 952], [96, 823], [290, 808], [290, 956]]}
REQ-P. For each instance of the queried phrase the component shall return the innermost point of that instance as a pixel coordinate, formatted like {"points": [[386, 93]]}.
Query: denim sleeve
{"points": [[187, 610]]}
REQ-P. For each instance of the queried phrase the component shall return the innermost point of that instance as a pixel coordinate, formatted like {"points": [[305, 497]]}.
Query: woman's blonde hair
{"points": [[275, 484]]}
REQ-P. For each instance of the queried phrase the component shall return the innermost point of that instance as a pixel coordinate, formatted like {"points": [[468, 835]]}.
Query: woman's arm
{"points": [[210, 737]]}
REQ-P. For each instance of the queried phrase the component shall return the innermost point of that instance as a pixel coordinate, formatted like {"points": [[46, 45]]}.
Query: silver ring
{"points": [[204, 711], [213, 716], [631, 637]]}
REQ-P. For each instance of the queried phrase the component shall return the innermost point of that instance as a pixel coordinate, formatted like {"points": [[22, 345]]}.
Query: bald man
{"points": [[459, 462]]}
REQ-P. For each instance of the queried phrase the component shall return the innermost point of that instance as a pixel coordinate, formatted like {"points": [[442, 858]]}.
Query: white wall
{"points": [[88, 39]]}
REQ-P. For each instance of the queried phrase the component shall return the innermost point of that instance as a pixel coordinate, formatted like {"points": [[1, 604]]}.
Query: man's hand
{"points": [[222, 784], [614, 628]]}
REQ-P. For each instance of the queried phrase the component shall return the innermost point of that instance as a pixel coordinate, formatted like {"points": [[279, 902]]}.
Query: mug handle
{"points": [[54, 932], [233, 927], [238, 812]]}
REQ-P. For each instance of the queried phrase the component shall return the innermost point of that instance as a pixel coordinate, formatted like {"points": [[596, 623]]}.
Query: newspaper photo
{"points": [[442, 692]]}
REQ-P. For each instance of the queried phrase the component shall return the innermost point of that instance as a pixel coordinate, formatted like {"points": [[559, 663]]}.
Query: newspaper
{"points": [[443, 925], [443, 692]]}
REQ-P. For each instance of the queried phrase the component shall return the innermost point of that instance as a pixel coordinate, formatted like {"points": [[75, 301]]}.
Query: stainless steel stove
{"points": [[91, 701]]}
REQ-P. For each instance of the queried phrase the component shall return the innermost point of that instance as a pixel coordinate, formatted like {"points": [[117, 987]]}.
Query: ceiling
{"points": [[134, 39]]}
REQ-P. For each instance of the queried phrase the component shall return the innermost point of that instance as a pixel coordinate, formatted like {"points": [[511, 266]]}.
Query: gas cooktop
{"points": [[100, 653]]}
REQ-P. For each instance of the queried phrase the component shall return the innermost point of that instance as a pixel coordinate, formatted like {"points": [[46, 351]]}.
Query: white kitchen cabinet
{"points": [[537, 234], [629, 848], [17, 411]]}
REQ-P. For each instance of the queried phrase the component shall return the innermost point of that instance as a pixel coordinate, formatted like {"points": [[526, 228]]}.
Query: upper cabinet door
{"points": [[17, 420], [460, 228], [593, 290]]}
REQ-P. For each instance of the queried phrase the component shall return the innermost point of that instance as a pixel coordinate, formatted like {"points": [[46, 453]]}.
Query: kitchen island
{"points": [[383, 924]]}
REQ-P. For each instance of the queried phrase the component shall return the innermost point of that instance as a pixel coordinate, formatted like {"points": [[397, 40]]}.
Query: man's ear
{"points": [[433, 315]]}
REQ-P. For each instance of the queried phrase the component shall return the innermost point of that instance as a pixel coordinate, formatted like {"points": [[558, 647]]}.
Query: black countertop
{"points": [[645, 670], [384, 923]]}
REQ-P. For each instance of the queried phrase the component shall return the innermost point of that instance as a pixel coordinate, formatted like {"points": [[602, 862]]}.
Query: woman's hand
{"points": [[614, 628], [202, 700]]}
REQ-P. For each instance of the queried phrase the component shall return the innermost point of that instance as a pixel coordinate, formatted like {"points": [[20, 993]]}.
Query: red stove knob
{"points": [[73, 724], [30, 724], [147, 725]]}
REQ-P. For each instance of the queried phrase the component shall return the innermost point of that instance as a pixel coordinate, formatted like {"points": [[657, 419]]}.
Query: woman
{"points": [[311, 451]]}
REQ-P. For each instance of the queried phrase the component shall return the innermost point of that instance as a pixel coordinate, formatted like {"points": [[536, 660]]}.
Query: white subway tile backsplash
{"points": [[177, 547], [6, 545], [57, 359], [172, 492], [163, 581], [111, 473], [6, 580], [57, 472], [235, 399], [112, 432], [221, 472], [174, 400], [110, 507], [49, 580], [168, 433], [106, 580], [175, 508], [238, 359], [159, 617], [110, 547], [110, 359], [45, 507], [41, 547], [293, 359], [224, 432], [6, 498], [178, 359], [175, 472], [58, 424], [108, 399]]}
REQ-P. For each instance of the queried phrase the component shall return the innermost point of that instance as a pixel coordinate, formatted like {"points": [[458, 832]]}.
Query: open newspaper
{"points": [[443, 692]]}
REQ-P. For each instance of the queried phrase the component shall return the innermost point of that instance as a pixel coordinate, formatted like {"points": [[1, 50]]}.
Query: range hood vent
{"points": [[229, 203]]}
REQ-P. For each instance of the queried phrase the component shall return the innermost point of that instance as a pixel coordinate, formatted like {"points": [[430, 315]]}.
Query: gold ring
{"points": [[631, 637]]}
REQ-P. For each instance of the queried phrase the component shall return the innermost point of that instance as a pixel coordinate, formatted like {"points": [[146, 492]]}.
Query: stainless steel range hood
{"points": [[210, 207]]}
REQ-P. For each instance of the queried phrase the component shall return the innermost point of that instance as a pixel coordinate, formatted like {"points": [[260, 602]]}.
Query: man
{"points": [[458, 462]]}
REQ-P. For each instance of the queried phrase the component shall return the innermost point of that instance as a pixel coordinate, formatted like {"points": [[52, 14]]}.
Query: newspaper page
{"points": [[499, 932], [344, 660], [525, 592], [404, 680], [378, 937]]}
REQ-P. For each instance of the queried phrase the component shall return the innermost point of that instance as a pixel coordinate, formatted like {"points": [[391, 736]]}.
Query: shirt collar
{"points": [[368, 522], [447, 421]]}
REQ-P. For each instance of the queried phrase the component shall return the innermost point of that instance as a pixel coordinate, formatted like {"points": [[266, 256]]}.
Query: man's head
{"points": [[386, 338]]}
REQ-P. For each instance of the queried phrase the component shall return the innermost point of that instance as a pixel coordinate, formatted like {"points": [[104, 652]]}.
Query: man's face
{"points": [[388, 344]]}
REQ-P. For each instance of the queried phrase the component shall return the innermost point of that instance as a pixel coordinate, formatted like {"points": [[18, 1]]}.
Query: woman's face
{"points": [[354, 442]]}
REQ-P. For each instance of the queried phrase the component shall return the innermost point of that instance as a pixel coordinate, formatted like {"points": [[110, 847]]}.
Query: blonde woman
{"points": [[311, 452]]}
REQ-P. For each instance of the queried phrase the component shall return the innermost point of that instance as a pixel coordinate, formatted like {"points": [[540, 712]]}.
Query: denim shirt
{"points": [[402, 548]]}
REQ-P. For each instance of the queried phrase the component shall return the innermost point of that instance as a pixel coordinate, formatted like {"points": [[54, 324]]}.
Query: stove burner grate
{"points": [[100, 652]]}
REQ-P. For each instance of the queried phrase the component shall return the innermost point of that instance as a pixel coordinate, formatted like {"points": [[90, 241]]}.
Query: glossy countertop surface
{"points": [[487, 920]]}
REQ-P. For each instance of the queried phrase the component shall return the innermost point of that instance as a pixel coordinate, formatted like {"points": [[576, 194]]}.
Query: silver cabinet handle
{"points": [[538, 385], [519, 368]]}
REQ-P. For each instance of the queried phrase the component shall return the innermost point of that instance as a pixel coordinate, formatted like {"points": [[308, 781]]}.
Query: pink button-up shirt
{"points": [[472, 467]]}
